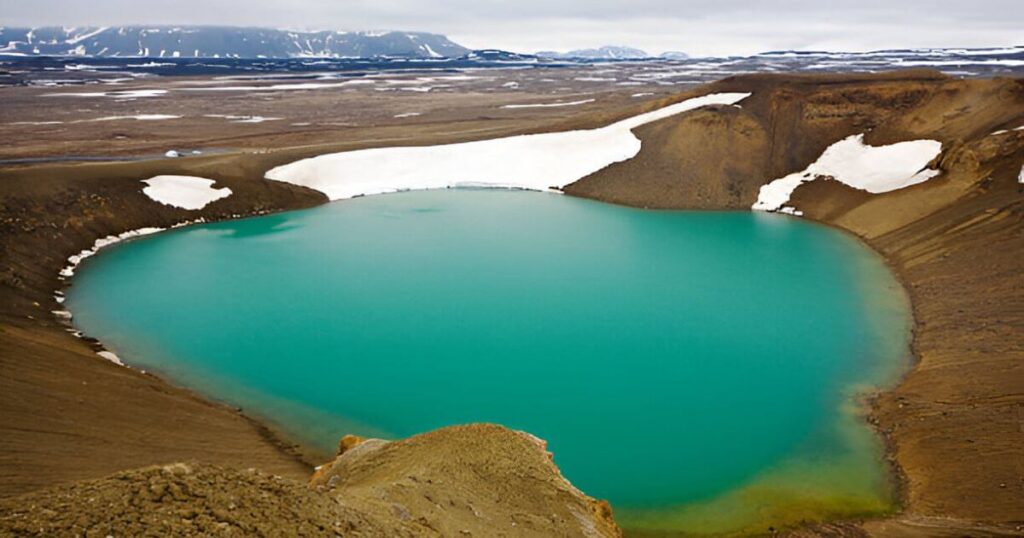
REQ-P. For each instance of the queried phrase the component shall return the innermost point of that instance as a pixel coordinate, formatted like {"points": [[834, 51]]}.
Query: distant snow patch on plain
{"points": [[186, 192], [938, 63], [408, 114], [980, 52], [242, 119], [36, 123], [139, 117], [135, 94], [875, 169], [551, 105], [542, 162], [122, 94]]}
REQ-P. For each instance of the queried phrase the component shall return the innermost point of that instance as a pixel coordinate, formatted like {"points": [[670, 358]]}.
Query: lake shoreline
{"points": [[851, 480], [311, 456], [26, 320]]}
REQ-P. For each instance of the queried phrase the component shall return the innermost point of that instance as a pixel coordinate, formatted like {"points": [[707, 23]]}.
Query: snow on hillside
{"points": [[875, 169], [542, 162], [185, 192]]}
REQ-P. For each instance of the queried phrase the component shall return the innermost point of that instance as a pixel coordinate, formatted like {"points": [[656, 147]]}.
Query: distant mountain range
{"points": [[222, 42], [610, 52], [602, 53], [241, 42]]}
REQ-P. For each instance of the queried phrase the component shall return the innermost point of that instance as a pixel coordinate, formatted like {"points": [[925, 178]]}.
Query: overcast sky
{"points": [[699, 27]]}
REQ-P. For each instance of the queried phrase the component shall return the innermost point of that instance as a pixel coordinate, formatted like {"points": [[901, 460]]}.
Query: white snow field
{"points": [[875, 169], [186, 192], [543, 162]]}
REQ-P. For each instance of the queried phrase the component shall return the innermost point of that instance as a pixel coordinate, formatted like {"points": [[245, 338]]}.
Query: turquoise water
{"points": [[696, 369]]}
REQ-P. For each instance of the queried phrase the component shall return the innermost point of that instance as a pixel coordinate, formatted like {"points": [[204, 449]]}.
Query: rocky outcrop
{"points": [[713, 157], [475, 480]]}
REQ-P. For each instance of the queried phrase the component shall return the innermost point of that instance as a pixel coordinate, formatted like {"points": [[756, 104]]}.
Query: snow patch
{"points": [[551, 105], [110, 356], [36, 123], [139, 117], [122, 94], [1004, 131], [135, 94], [542, 162], [432, 52], [77, 39], [185, 192], [875, 169], [242, 119]]}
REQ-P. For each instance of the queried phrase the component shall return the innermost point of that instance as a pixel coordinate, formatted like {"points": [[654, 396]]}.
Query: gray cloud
{"points": [[695, 26]]}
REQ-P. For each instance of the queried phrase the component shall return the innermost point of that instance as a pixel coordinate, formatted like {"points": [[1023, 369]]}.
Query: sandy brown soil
{"points": [[57, 122], [954, 424]]}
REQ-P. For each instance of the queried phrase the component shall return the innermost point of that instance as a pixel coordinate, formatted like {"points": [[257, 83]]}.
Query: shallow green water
{"points": [[696, 369]]}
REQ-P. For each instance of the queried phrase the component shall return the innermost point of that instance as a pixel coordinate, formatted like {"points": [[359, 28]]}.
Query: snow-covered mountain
{"points": [[674, 55], [609, 52], [222, 42]]}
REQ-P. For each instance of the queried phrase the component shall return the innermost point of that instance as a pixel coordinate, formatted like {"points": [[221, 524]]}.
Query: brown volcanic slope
{"points": [[956, 422], [65, 414]]}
